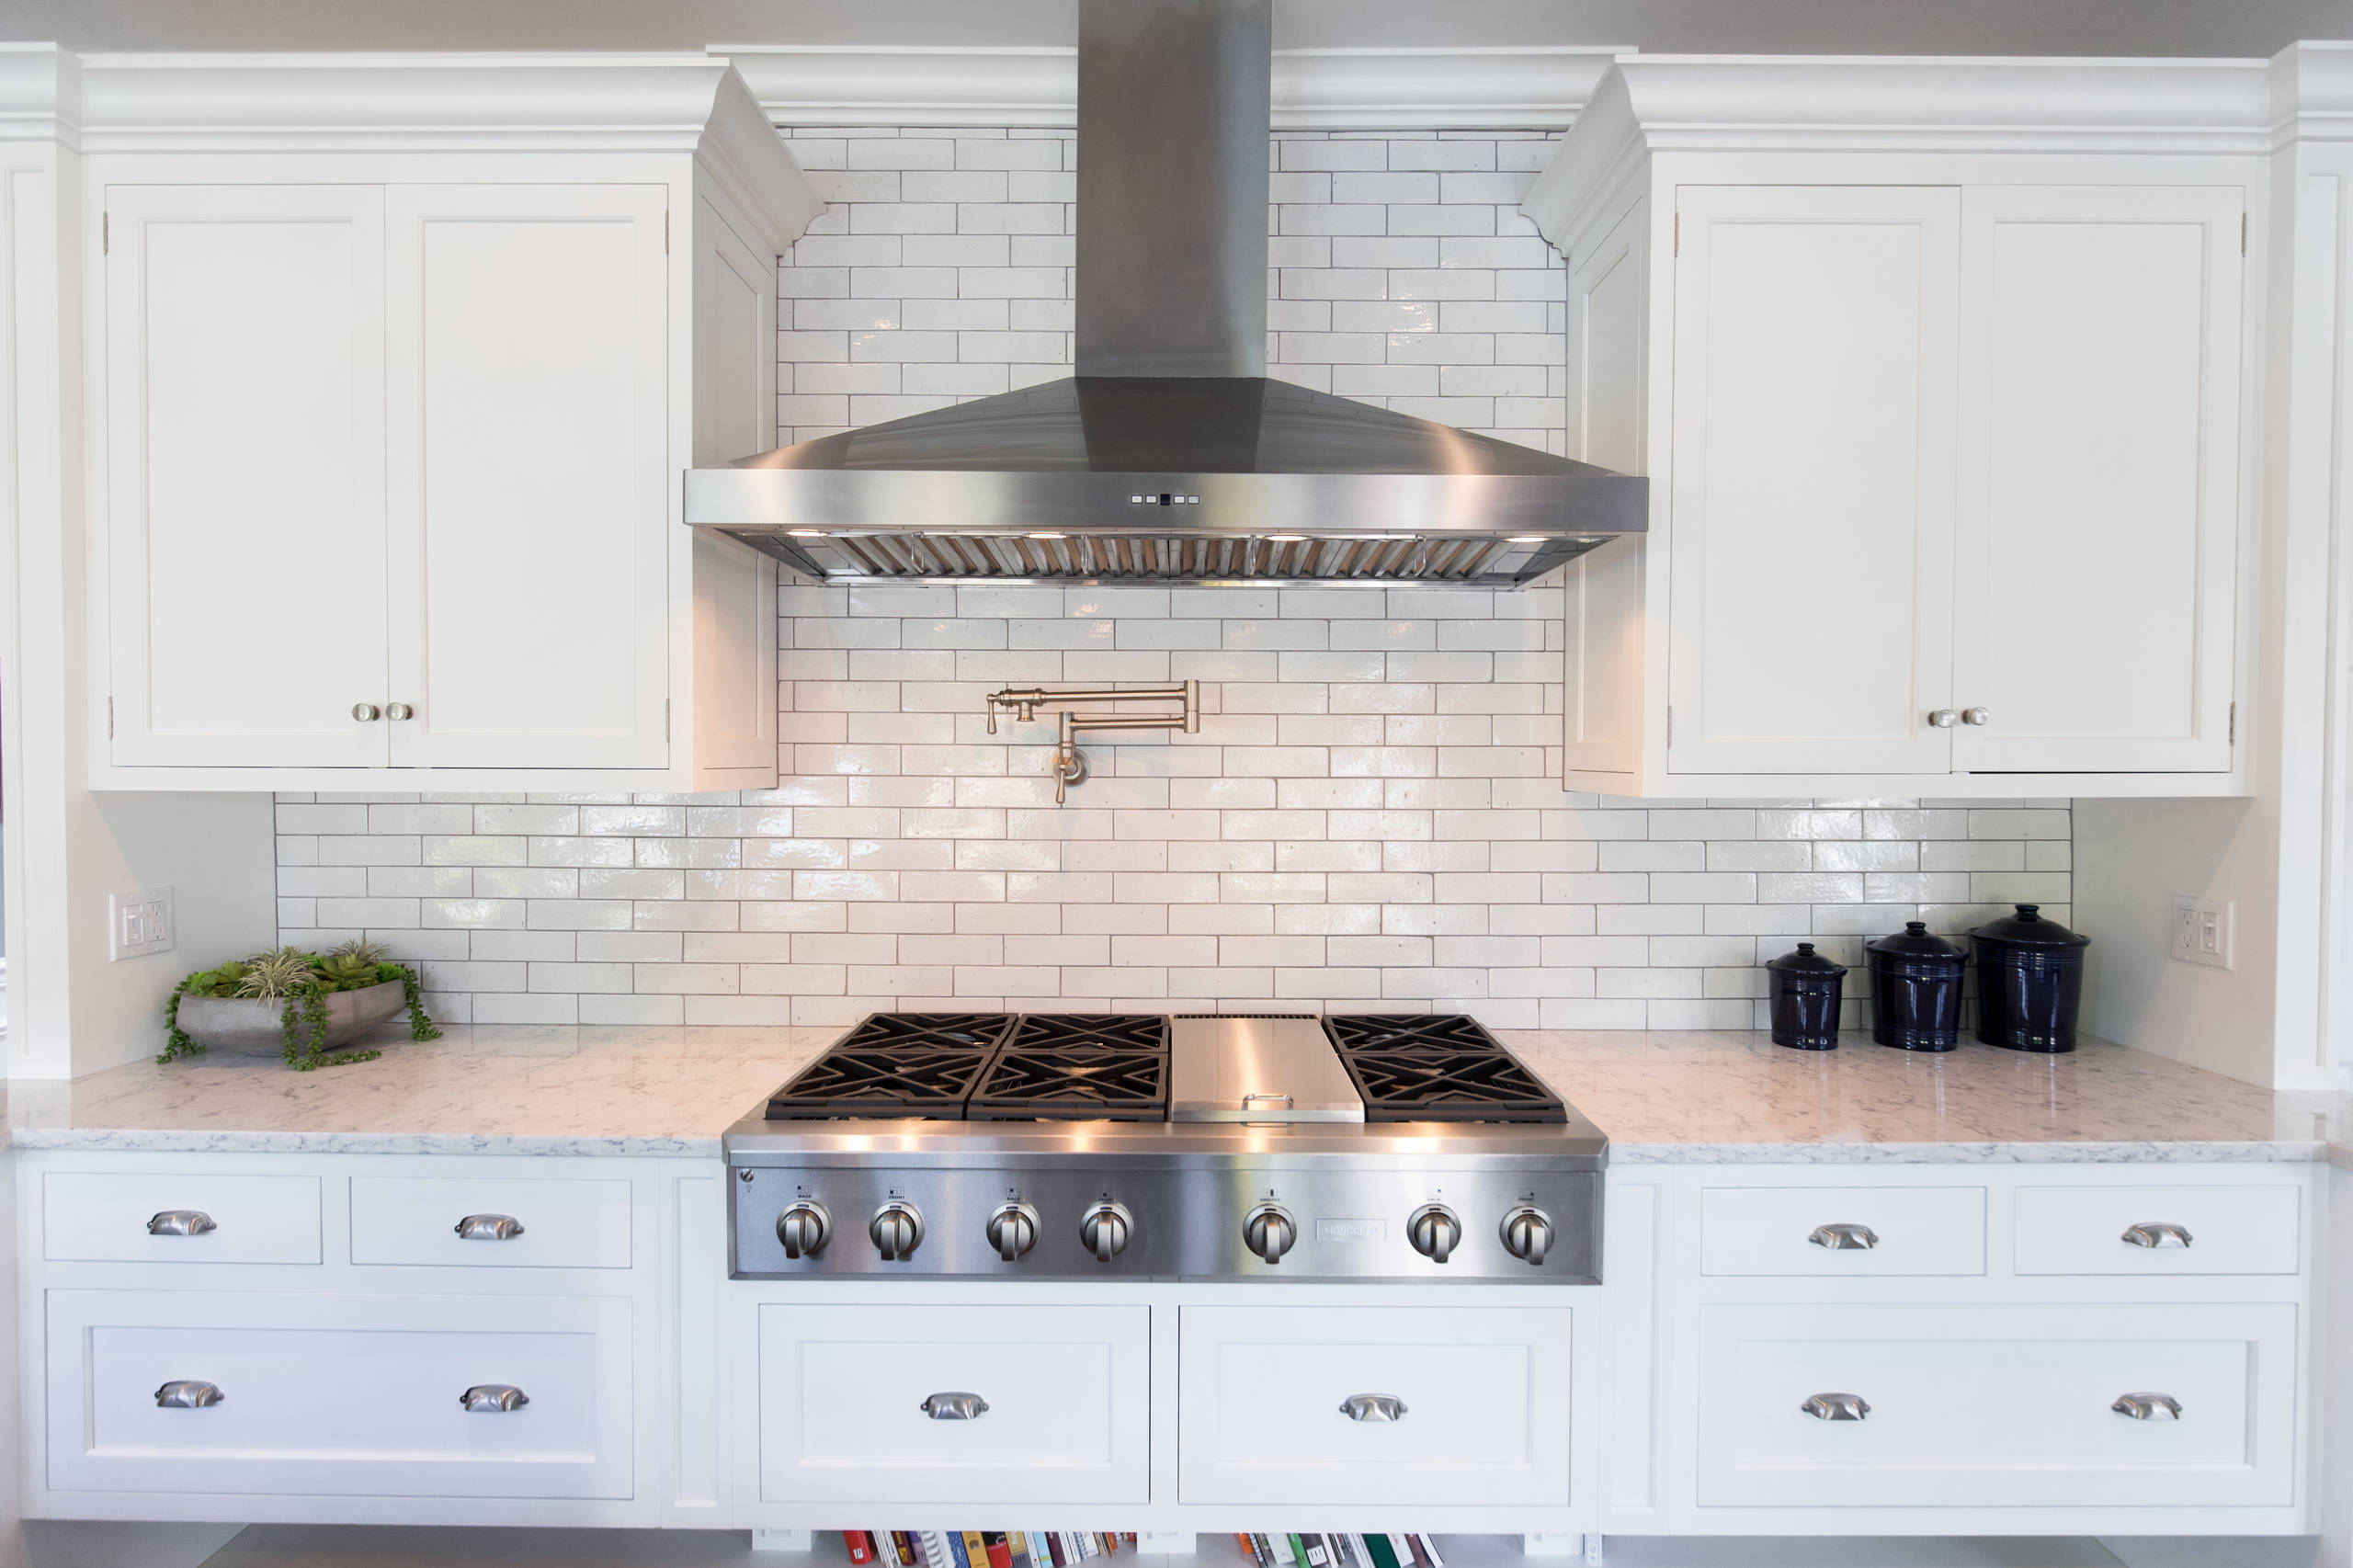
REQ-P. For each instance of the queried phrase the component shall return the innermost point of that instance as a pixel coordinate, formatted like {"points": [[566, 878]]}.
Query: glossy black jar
{"points": [[1805, 989], [2029, 981], [1916, 989]]}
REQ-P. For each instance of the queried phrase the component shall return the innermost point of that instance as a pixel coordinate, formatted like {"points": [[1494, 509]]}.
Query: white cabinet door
{"points": [[1812, 528], [530, 477], [244, 475], [2100, 477]]}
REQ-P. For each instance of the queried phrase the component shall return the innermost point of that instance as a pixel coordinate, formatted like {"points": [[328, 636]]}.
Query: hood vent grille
{"points": [[1132, 557]]}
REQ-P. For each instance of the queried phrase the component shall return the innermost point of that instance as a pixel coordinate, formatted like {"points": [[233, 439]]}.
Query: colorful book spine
{"points": [[1428, 1543]]}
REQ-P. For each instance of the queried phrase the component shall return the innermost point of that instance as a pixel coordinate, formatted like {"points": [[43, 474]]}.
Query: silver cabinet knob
{"points": [[493, 1398], [1528, 1234], [2148, 1407], [2154, 1233], [1944, 718], [804, 1227], [1013, 1230], [1836, 1406], [366, 712], [180, 1222], [897, 1229], [1374, 1407], [1104, 1230], [1268, 1230], [954, 1406], [189, 1393], [489, 1228], [1976, 715], [1436, 1231], [399, 712], [1845, 1237]]}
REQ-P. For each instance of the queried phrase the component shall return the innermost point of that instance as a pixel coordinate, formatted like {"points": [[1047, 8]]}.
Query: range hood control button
{"points": [[1269, 1232], [897, 1229]]}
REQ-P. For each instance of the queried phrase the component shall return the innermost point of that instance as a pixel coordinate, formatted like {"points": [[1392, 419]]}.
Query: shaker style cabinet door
{"points": [[244, 512], [2099, 478], [1812, 451], [529, 475]]}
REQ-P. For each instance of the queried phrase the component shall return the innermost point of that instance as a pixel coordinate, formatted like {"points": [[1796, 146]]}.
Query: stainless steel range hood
{"points": [[1170, 457]]}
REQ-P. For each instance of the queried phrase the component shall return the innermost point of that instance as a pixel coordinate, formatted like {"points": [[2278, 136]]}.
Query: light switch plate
{"points": [[143, 921], [2202, 930]]}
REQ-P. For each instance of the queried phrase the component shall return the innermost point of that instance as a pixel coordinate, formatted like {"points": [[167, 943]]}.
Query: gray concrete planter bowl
{"points": [[250, 1026]]}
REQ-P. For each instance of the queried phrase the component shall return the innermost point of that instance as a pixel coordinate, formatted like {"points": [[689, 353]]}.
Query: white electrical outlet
{"points": [[140, 922], [2202, 930]]}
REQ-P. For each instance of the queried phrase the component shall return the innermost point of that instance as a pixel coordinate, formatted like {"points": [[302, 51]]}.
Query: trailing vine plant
{"points": [[300, 983]]}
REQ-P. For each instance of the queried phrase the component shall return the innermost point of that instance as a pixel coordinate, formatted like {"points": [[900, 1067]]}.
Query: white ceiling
{"points": [[1865, 27]]}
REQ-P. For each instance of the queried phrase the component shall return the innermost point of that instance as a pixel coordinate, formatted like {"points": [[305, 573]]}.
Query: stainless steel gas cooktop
{"points": [[994, 1146]]}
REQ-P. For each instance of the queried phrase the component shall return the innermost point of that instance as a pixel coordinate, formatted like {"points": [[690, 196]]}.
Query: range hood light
{"points": [[1285, 539], [1045, 536], [806, 533], [1527, 538]]}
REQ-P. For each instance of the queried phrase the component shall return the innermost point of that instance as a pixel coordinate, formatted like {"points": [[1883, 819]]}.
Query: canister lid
{"points": [[1914, 942], [1805, 961], [2028, 928]]}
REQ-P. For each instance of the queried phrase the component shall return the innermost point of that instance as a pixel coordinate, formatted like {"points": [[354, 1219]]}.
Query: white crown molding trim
{"points": [[2312, 93], [1386, 89], [40, 94]]}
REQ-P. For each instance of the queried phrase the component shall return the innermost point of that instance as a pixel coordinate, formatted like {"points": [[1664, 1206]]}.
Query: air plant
{"points": [[276, 972]]}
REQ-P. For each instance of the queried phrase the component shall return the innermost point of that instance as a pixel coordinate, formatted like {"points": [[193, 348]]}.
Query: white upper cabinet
{"points": [[1944, 432], [386, 491]]}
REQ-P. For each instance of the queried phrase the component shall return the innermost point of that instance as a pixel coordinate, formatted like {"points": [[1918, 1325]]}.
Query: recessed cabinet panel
{"points": [[560, 1224], [531, 475], [245, 475], [2100, 477], [1812, 504], [198, 1216], [1840, 1233], [2159, 1230]]}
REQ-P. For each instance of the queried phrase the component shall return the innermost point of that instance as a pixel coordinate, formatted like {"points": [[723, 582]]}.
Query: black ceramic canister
{"points": [[1916, 989], [1805, 988], [2029, 981]]}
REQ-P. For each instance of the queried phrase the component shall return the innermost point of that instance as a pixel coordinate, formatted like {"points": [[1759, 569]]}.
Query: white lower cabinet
{"points": [[859, 1403]]}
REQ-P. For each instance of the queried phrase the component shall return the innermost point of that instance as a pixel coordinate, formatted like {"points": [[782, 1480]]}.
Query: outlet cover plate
{"points": [[2202, 930], [143, 921]]}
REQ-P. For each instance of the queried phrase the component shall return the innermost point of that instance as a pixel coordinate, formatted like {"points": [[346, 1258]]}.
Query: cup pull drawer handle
{"points": [[954, 1407], [187, 1393], [1836, 1406], [1845, 1237], [1374, 1407], [180, 1222], [2148, 1407], [2154, 1233], [493, 1397], [489, 1228]]}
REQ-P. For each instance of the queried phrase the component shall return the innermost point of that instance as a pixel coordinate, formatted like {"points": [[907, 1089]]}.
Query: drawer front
{"points": [[2230, 1230], [1769, 1231], [1484, 1393], [338, 1395], [843, 1390], [94, 1216], [1997, 1407], [565, 1224]]}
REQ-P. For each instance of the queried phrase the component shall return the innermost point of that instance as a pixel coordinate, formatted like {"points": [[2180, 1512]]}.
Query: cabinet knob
{"points": [[1268, 1230], [1836, 1406], [493, 1398], [1845, 1237], [2154, 1233], [1436, 1231], [399, 712], [489, 1228], [1104, 1230], [1944, 718], [897, 1229], [954, 1406], [2148, 1407], [1013, 1230], [1374, 1407], [1528, 1234], [1976, 715], [180, 1222], [803, 1229], [366, 712], [189, 1393]]}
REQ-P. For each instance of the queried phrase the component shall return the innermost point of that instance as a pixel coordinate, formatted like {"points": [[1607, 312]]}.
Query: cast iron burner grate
{"points": [[1437, 1067], [920, 1064], [1074, 1083]]}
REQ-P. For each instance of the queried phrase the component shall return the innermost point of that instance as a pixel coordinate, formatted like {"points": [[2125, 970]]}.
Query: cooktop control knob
{"points": [[1436, 1231], [897, 1229], [1104, 1230], [803, 1228], [1269, 1232], [1528, 1234], [1013, 1230]]}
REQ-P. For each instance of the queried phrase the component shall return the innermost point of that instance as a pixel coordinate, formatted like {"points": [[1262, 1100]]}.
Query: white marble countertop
{"points": [[1692, 1098]]}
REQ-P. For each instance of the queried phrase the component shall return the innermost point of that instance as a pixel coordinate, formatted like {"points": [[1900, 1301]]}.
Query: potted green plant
{"points": [[294, 1004]]}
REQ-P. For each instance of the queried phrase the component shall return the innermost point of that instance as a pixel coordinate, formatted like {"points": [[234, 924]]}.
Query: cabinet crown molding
{"points": [[1401, 89], [2312, 93]]}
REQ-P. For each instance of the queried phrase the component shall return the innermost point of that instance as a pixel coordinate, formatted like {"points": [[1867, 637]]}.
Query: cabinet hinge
{"points": [[1670, 726], [2242, 234], [2234, 724], [665, 234], [106, 233], [109, 718], [1678, 235], [665, 717]]}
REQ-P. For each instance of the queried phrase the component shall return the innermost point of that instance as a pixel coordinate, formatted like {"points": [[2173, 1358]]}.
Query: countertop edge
{"points": [[180, 1141], [2140, 1152]]}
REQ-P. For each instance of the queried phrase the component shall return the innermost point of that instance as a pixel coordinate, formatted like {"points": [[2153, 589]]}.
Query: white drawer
{"points": [[98, 1217], [2230, 1230], [843, 1389], [1768, 1231], [1997, 1407], [1485, 1392], [338, 1395], [567, 1223]]}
